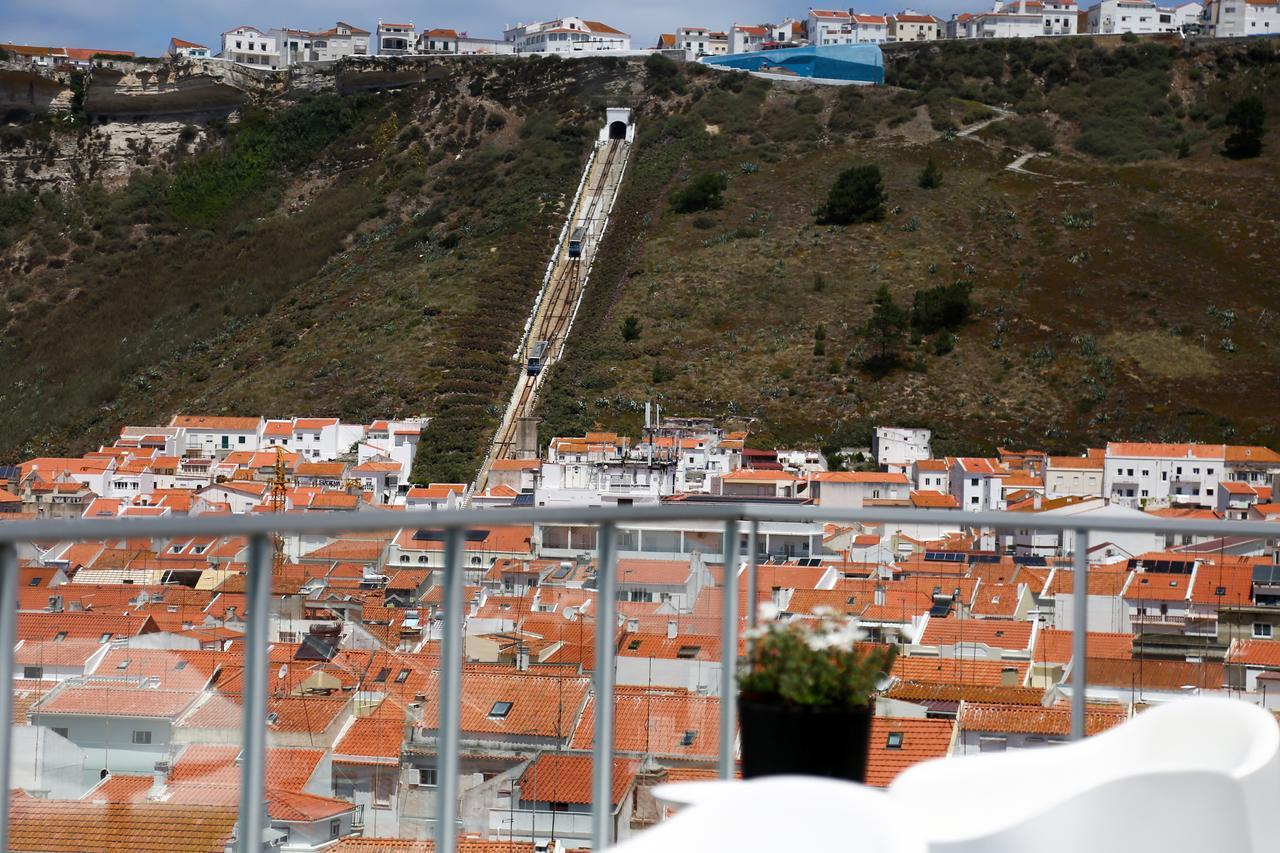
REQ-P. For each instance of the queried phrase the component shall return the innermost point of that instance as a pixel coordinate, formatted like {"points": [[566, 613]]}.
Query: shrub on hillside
{"points": [[1026, 132], [1248, 118], [946, 306], [701, 193], [857, 196], [930, 177]]}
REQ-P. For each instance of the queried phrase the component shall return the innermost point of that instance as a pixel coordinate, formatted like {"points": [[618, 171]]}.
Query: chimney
{"points": [[1037, 500], [159, 773], [672, 629], [1009, 676], [879, 597]]}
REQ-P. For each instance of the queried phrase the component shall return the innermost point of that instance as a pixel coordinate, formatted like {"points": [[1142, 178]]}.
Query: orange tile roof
{"points": [[656, 724], [991, 673], [1158, 586], [1173, 451], [375, 739], [1251, 652], [1023, 719], [516, 465], [1238, 453], [541, 705], [206, 422], [919, 691], [859, 477], [566, 778], [77, 826], [998, 633], [913, 741], [751, 475], [1053, 645], [933, 500], [288, 768], [1139, 674], [703, 647], [95, 699]]}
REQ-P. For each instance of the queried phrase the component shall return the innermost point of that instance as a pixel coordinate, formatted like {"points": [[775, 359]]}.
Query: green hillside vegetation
{"points": [[377, 254], [1042, 311]]}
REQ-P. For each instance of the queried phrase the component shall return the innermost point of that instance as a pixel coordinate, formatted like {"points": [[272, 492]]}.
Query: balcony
{"points": [[437, 728]]}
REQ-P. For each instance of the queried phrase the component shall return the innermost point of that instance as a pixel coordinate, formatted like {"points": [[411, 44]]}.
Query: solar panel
{"points": [[1030, 560], [438, 535], [984, 558], [561, 573], [1266, 574], [941, 609]]}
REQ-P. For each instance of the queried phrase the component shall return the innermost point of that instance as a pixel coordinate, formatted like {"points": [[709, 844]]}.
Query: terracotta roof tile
{"points": [[657, 724], [73, 826], [1023, 719], [566, 778], [998, 633], [897, 744]]}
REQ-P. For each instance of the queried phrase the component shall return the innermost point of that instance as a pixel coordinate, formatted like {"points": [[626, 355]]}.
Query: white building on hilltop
{"points": [[828, 26], [567, 36], [181, 48], [1225, 18], [745, 39], [339, 41], [896, 448], [247, 45], [1139, 16], [395, 39], [1018, 19]]}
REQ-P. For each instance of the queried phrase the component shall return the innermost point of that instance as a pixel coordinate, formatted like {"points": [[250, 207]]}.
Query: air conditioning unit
{"points": [[413, 777]]}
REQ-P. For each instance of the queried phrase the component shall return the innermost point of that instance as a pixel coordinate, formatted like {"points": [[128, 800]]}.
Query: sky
{"points": [[144, 26]]}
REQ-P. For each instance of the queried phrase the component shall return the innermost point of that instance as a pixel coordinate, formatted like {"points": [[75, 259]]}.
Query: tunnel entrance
{"points": [[618, 130]]}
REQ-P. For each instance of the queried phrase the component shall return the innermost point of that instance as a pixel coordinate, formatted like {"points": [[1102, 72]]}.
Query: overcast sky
{"points": [[144, 26]]}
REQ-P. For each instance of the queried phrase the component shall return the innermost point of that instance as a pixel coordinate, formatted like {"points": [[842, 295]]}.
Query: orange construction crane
{"points": [[278, 501]]}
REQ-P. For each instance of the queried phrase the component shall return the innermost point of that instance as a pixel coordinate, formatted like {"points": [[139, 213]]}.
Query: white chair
{"points": [[1193, 774], [779, 814]]}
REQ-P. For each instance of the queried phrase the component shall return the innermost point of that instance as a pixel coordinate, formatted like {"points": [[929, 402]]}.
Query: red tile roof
{"points": [[998, 633], [566, 778], [288, 769], [1053, 645], [657, 724], [74, 826], [1023, 719], [912, 741], [992, 673]]}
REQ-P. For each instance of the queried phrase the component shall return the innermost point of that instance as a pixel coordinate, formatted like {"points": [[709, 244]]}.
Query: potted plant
{"points": [[806, 702]]}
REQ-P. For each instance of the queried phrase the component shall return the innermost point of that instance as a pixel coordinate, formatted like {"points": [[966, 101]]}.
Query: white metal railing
{"points": [[259, 528]]}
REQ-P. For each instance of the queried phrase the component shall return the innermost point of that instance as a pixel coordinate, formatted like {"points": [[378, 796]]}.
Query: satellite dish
{"points": [[284, 670]]}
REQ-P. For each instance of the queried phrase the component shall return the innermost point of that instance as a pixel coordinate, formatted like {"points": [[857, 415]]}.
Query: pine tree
{"points": [[931, 177], [885, 328]]}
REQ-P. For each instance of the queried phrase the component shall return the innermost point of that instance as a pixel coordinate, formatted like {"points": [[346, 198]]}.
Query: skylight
{"points": [[688, 652], [688, 737], [500, 710], [894, 741]]}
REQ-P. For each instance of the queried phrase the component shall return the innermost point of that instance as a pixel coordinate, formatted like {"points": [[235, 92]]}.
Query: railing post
{"points": [[753, 564], [253, 690], [603, 678], [729, 650], [450, 716], [8, 638], [1079, 632]]}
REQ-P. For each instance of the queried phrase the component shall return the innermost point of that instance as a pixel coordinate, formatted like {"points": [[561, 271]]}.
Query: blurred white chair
{"points": [[1192, 775], [778, 814]]}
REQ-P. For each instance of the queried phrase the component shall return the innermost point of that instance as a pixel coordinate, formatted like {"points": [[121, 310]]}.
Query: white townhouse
{"points": [[977, 484], [827, 27], [1019, 19], [339, 41], [1225, 18], [438, 40], [870, 29], [183, 49], [789, 31], [247, 45], [910, 25], [397, 440], [695, 41], [896, 448], [1138, 474], [931, 475], [395, 39], [211, 436], [1130, 16], [745, 39], [567, 36], [1073, 475]]}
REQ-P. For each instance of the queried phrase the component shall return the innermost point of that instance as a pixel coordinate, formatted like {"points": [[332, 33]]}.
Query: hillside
{"points": [[1133, 295], [376, 253]]}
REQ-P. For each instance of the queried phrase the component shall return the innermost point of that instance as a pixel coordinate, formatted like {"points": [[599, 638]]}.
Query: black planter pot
{"points": [[784, 740]]}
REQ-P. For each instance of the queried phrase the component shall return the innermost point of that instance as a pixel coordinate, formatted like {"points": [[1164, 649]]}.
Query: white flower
{"points": [[822, 611], [767, 611]]}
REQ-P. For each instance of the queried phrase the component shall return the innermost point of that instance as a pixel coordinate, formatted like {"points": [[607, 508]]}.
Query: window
{"points": [[106, 637], [499, 710], [402, 676], [1262, 629], [688, 737], [33, 672], [34, 582], [141, 737], [383, 674], [894, 741], [992, 743], [335, 828], [688, 652]]}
